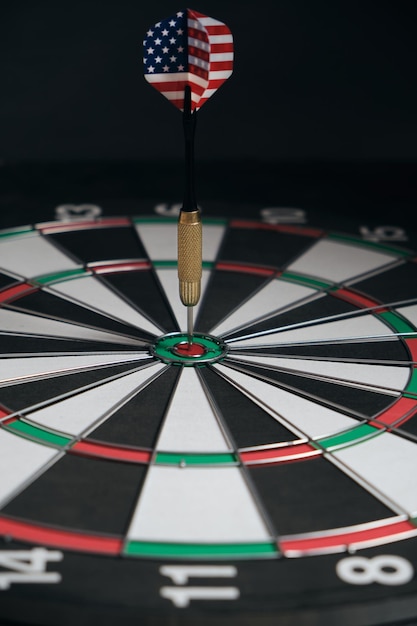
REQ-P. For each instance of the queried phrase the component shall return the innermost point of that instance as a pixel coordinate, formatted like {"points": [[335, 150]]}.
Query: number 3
{"points": [[386, 569]]}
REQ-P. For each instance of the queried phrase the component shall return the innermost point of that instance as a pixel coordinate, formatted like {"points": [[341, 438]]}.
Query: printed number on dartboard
{"points": [[28, 566], [384, 569]]}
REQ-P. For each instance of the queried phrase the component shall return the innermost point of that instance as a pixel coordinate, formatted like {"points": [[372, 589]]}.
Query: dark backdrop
{"points": [[312, 80]]}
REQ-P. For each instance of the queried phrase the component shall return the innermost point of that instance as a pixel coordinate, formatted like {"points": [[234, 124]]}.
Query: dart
{"points": [[187, 57]]}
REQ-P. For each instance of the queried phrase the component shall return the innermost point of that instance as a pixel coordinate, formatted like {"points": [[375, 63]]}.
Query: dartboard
{"points": [[266, 472]]}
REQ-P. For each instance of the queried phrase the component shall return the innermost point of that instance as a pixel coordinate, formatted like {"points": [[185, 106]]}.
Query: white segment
{"points": [[20, 461], [33, 255], [160, 240], [302, 416], [363, 326], [338, 261], [18, 369], [91, 293], [409, 312], [276, 295], [79, 412], [190, 424], [212, 237], [25, 324], [389, 464], [169, 280], [196, 505], [382, 377]]}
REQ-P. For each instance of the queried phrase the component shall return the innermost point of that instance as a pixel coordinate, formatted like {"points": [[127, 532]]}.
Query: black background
{"points": [[311, 80], [320, 111]]}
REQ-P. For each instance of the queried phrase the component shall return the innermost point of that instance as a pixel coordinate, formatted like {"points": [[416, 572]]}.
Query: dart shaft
{"points": [[190, 240], [190, 324]]}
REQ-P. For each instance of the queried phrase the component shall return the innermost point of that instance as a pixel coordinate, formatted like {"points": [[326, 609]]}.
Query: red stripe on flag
{"points": [[197, 34], [175, 85], [199, 52], [221, 65], [221, 47], [217, 29], [199, 71]]}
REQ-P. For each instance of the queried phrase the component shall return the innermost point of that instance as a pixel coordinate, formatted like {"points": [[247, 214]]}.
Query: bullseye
{"points": [[189, 349], [175, 348]]}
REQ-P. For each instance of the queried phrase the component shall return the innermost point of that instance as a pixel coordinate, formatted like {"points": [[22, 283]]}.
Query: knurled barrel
{"points": [[190, 245]]}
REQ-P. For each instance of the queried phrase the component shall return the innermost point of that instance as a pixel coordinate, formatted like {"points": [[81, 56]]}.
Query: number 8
{"points": [[386, 569]]}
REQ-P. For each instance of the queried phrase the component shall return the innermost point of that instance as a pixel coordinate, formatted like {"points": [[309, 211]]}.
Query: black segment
{"points": [[101, 244], [55, 307], [263, 247], [15, 344], [321, 307], [141, 289], [137, 422], [388, 351], [351, 400], [6, 281], [225, 291], [18, 397], [409, 427], [248, 423], [393, 285], [82, 494], [313, 495]]}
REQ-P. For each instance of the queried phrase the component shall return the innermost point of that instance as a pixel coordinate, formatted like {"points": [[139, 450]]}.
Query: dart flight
{"points": [[188, 48]]}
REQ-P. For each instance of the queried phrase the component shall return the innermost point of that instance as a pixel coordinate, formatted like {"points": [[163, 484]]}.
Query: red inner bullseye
{"points": [[189, 349]]}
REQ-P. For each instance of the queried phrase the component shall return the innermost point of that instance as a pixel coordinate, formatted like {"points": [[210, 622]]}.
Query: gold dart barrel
{"points": [[190, 250]]}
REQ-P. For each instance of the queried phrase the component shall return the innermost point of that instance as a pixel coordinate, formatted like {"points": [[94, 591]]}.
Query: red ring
{"points": [[186, 349]]}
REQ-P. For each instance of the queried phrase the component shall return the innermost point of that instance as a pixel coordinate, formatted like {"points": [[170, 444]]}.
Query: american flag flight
{"points": [[188, 48]]}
